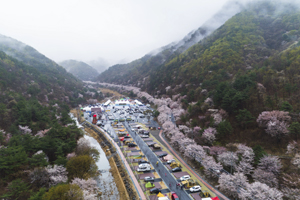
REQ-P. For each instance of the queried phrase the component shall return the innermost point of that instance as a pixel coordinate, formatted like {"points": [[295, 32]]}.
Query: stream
{"points": [[105, 180]]}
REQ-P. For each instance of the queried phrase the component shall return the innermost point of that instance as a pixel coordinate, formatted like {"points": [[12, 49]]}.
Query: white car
{"points": [[143, 165], [196, 188], [170, 161], [145, 169], [184, 178]]}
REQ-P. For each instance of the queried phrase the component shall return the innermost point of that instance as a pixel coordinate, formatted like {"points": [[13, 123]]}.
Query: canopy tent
{"points": [[215, 198], [160, 195], [149, 185], [121, 138], [168, 157], [122, 130]]}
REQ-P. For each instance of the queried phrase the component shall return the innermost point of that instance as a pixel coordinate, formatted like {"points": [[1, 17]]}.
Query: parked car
{"points": [[162, 155], [144, 165], [155, 190], [144, 136], [144, 169], [174, 196], [184, 178], [158, 128], [148, 178], [176, 169], [170, 161], [132, 145], [196, 188], [151, 144], [143, 161]]}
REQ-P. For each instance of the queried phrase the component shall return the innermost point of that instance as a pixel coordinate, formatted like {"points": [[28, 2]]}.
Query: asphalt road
{"points": [[164, 173]]}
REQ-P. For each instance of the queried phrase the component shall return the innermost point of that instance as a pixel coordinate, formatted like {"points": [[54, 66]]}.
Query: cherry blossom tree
{"points": [[208, 137], [270, 164], [71, 155], [291, 193], [296, 160], [57, 174], [267, 178], [217, 118], [228, 159], [197, 129], [277, 128], [184, 129], [89, 196], [168, 126], [266, 116], [25, 129], [244, 167], [89, 185], [231, 184], [194, 151], [212, 168], [291, 180], [216, 150], [176, 138], [162, 118], [246, 153], [183, 143], [259, 191], [293, 148]]}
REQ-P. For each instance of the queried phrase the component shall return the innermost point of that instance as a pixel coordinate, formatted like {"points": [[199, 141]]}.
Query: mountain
{"points": [[24, 70], [99, 64], [249, 65], [80, 69], [136, 71]]}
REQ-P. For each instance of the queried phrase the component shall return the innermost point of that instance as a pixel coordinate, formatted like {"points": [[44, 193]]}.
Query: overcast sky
{"points": [[115, 30]]}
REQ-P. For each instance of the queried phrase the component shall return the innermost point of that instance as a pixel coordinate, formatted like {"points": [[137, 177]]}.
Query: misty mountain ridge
{"points": [[80, 69], [26, 71], [159, 56]]}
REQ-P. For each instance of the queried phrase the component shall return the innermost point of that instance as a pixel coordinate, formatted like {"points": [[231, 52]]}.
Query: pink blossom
{"points": [[270, 164], [293, 147], [208, 137], [57, 174], [265, 177], [197, 129], [211, 166], [259, 191], [277, 128], [25, 129], [296, 160], [71, 155], [231, 184], [266, 116], [194, 151], [215, 150], [244, 167], [291, 193], [90, 184], [228, 158], [184, 142], [246, 153]]}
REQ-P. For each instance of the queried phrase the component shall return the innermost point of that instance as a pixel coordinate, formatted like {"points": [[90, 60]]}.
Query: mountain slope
{"points": [[80, 69], [45, 77], [136, 71]]}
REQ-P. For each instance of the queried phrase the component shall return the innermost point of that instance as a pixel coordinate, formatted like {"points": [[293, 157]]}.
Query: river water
{"points": [[105, 180]]}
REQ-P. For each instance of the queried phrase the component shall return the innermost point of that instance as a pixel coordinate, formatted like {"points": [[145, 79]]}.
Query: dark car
{"points": [[148, 178], [151, 144], [127, 136], [132, 145], [176, 169], [155, 190], [162, 155], [143, 161]]}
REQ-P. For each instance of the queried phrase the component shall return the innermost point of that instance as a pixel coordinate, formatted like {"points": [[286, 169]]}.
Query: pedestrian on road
{"points": [[165, 174], [157, 163]]}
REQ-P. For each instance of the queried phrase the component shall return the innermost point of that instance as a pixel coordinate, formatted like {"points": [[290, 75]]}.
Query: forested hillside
{"points": [[80, 69], [40, 145], [239, 86]]}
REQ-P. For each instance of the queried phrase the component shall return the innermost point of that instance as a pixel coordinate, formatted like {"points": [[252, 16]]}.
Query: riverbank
{"points": [[123, 182]]}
